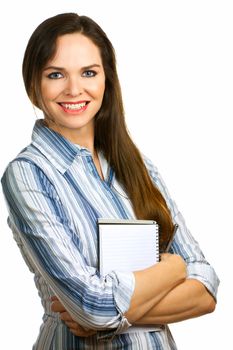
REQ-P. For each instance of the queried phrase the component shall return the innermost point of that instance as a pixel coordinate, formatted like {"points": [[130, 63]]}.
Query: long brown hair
{"points": [[111, 135]]}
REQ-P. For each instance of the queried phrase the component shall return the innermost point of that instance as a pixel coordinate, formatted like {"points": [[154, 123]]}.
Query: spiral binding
{"points": [[157, 257]]}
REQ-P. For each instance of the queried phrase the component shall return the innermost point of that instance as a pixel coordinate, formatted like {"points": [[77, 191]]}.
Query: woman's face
{"points": [[72, 86]]}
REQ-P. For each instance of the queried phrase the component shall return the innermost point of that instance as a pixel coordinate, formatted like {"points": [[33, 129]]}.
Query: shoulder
{"points": [[150, 166], [25, 170], [28, 154], [158, 180], [28, 161]]}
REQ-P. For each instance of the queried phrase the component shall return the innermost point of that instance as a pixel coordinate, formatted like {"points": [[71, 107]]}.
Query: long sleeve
{"points": [[184, 243], [56, 251]]}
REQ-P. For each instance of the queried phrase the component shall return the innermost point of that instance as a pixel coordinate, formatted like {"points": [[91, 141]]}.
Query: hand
{"points": [[73, 326], [166, 256], [175, 261]]}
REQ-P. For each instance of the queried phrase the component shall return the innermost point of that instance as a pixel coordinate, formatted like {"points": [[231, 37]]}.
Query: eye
{"points": [[89, 73], [55, 75]]}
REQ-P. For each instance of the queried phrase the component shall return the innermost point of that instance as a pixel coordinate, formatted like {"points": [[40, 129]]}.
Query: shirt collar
{"points": [[56, 148]]}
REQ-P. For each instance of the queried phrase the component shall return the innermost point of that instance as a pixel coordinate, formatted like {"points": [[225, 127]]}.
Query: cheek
{"points": [[96, 88], [98, 91], [50, 91], [45, 92]]}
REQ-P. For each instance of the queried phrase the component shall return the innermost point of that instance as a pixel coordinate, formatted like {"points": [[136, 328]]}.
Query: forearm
{"points": [[187, 300], [153, 284]]}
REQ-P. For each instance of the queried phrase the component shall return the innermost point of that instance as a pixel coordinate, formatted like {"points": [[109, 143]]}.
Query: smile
{"points": [[74, 106]]}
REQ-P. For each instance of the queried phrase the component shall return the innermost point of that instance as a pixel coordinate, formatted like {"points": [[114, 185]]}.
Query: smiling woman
{"points": [[64, 181]]}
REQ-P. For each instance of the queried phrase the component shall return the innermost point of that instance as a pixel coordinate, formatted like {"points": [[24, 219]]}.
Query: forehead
{"points": [[75, 49]]}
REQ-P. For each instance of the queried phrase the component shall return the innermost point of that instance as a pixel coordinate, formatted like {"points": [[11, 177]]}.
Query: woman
{"points": [[80, 166]]}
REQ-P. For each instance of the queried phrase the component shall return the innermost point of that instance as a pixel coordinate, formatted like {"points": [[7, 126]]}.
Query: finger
{"points": [[81, 333], [164, 256], [53, 298], [65, 316], [56, 306], [78, 330], [73, 325]]}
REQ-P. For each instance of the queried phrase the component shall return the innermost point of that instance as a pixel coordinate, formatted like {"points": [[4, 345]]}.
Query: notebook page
{"points": [[127, 247]]}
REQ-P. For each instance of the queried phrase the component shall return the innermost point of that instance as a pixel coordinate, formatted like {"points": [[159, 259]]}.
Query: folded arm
{"points": [[189, 299], [151, 286]]}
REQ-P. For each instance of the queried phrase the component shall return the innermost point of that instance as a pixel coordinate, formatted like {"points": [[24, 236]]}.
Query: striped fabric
{"points": [[54, 196]]}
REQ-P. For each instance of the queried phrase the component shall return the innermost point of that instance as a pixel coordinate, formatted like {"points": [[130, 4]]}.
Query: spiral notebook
{"points": [[127, 245]]}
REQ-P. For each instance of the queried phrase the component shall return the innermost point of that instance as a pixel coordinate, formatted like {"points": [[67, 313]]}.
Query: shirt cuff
{"points": [[203, 272], [123, 288]]}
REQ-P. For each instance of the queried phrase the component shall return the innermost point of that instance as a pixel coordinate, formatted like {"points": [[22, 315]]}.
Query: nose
{"points": [[73, 87]]}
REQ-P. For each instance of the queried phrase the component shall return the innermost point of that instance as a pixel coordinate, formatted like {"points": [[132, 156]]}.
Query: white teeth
{"points": [[74, 106]]}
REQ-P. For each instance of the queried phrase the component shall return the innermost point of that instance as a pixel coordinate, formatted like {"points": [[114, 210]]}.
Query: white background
{"points": [[175, 62]]}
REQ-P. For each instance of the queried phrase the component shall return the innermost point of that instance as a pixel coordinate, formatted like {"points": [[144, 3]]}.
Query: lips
{"points": [[74, 107]]}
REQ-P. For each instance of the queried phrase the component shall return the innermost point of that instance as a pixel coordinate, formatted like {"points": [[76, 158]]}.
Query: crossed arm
{"points": [[172, 299]]}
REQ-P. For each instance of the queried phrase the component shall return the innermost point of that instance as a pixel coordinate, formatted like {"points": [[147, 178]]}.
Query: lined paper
{"points": [[127, 246]]}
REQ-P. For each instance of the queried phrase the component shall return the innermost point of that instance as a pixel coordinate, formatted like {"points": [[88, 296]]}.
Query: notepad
{"points": [[127, 245]]}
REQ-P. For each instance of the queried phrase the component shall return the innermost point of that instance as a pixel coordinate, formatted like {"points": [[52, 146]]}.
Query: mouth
{"points": [[74, 106]]}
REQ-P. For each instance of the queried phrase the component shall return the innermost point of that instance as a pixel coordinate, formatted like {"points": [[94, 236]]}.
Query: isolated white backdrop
{"points": [[175, 65]]}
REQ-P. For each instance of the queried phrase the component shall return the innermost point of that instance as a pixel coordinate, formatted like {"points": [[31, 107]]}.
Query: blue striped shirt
{"points": [[55, 196]]}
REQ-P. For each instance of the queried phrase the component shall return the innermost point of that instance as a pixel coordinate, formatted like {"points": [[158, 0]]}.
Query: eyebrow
{"points": [[83, 68]]}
